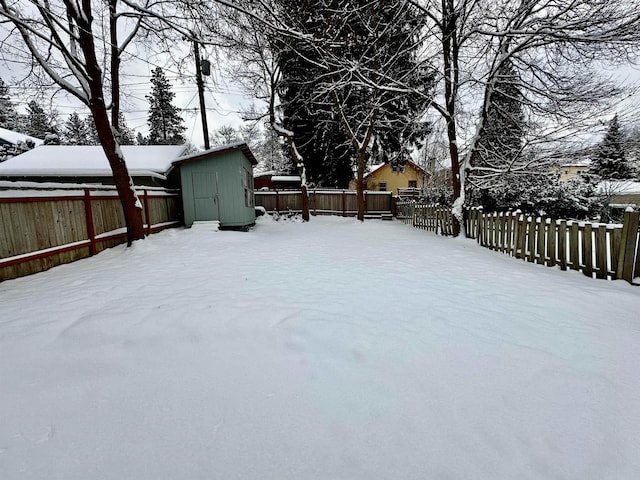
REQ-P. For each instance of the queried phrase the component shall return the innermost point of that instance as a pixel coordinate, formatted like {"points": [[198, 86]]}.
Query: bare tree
{"points": [[553, 45], [60, 37]]}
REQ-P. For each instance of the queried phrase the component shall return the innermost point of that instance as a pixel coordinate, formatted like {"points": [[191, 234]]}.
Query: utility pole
{"points": [[200, 83]]}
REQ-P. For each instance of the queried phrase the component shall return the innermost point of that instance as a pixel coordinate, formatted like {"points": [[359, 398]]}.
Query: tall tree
{"points": [[60, 39], [553, 45], [127, 135], [499, 149], [364, 83], [37, 121], [165, 123], [75, 131], [8, 113], [610, 161]]}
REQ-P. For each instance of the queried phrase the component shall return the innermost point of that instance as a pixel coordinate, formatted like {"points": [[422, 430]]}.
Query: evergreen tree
{"points": [[501, 140], [610, 162], [310, 111], [141, 139], [165, 123], [7, 111], [37, 121], [493, 183], [92, 133], [127, 135], [75, 131]]}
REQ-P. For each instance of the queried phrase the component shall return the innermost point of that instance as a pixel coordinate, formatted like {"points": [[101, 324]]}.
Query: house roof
{"points": [[9, 136], [618, 187], [219, 150], [90, 161], [375, 168]]}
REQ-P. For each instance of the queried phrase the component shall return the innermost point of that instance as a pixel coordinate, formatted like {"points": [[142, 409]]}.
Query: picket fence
{"points": [[42, 228], [603, 251], [324, 202]]}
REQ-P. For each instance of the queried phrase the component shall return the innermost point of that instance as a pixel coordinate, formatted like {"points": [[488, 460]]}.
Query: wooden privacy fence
{"points": [[324, 202], [435, 218], [603, 251], [43, 228]]}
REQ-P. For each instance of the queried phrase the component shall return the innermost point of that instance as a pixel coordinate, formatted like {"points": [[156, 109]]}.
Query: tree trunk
{"points": [[360, 183], [131, 206]]}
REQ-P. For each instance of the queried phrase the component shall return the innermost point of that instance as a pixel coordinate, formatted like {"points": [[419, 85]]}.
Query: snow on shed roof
{"points": [[90, 160], [14, 137], [219, 150]]}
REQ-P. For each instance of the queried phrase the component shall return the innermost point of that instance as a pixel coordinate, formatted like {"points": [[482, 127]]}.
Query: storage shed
{"points": [[217, 185]]}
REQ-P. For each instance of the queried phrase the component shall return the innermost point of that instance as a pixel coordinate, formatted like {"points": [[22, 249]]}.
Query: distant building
{"points": [[571, 169], [386, 177], [14, 143]]}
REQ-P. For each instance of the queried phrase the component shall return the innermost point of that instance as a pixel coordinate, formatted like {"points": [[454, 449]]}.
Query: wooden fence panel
{"points": [[41, 229], [324, 202]]}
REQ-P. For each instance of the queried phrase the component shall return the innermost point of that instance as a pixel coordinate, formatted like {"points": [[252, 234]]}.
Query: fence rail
{"points": [[324, 202], [42, 228], [598, 250]]}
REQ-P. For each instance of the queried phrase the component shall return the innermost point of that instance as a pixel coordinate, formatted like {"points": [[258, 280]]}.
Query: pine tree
{"points": [[165, 123], [309, 109], [610, 162], [37, 121], [75, 131], [127, 135], [92, 133], [141, 139], [7, 111]]}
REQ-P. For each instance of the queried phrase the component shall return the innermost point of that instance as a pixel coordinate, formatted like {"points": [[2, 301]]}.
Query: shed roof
{"points": [[219, 150], [90, 161], [9, 136]]}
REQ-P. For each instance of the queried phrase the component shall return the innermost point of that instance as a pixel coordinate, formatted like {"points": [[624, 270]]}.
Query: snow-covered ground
{"points": [[327, 350]]}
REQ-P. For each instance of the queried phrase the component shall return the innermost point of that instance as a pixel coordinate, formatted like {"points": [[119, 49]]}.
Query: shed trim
{"points": [[243, 147]]}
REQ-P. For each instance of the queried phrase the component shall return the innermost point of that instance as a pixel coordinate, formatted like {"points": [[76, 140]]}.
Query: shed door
{"points": [[205, 196]]}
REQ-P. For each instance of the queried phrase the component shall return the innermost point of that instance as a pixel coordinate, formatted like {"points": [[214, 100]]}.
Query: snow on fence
{"points": [[44, 227], [600, 250], [324, 202]]}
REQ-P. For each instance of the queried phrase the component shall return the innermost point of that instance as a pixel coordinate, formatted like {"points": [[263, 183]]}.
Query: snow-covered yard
{"points": [[328, 350]]}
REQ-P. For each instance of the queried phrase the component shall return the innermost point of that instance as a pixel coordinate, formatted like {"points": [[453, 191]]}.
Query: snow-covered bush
{"points": [[541, 194]]}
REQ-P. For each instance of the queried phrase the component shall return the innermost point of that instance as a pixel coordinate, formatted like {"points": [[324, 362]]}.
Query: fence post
{"points": [[277, 202], [147, 210], [344, 203], [366, 201], [88, 213], [628, 247]]}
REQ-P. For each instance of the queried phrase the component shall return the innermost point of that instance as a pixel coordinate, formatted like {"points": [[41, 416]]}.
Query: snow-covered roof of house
{"points": [[620, 187], [9, 136], [218, 150], [584, 162], [286, 178], [90, 161], [374, 168]]}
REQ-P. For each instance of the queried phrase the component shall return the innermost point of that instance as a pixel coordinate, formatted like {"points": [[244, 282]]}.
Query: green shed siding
{"points": [[213, 189]]}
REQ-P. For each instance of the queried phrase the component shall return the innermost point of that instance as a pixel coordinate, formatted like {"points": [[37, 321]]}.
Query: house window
{"points": [[413, 184], [382, 186], [397, 167]]}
